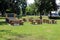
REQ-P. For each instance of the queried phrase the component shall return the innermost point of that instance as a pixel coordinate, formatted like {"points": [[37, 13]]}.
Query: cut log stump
{"points": [[39, 21], [32, 21], [24, 19], [53, 21], [21, 22]]}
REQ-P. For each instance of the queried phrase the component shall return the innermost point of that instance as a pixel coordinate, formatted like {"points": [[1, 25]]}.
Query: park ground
{"points": [[29, 31]]}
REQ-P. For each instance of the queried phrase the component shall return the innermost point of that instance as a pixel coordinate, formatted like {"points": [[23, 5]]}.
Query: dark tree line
{"points": [[14, 5], [45, 6]]}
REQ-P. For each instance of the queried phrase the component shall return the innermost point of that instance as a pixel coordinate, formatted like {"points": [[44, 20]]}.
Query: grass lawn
{"points": [[30, 32]]}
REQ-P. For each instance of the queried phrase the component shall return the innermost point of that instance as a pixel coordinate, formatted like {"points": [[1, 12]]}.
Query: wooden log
{"points": [[21, 22], [44, 20], [16, 22], [53, 21], [48, 21], [39, 21], [32, 21], [24, 20], [12, 22]]}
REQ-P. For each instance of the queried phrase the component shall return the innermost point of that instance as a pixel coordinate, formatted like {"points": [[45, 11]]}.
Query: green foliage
{"points": [[32, 9], [45, 5], [13, 6]]}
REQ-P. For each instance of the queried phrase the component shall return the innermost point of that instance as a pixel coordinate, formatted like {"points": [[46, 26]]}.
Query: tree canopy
{"points": [[12, 5], [47, 5]]}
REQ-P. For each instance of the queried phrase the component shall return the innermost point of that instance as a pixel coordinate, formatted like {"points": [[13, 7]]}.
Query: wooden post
{"points": [[6, 15], [14, 15]]}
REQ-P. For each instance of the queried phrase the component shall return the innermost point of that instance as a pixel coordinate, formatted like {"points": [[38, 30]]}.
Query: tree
{"points": [[14, 5], [45, 5], [32, 9], [39, 5], [24, 5]]}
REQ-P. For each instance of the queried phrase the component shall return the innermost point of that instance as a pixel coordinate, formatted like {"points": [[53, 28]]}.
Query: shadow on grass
{"points": [[3, 23], [18, 37], [5, 31], [12, 35], [2, 18]]}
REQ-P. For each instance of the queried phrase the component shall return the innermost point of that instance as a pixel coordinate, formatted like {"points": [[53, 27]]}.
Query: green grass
{"points": [[30, 32]]}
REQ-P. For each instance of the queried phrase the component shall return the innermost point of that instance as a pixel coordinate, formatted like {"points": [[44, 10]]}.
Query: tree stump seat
{"points": [[53, 21], [48, 21], [32, 21], [44, 20], [11, 22], [29, 20], [39, 21], [21, 22], [24, 19]]}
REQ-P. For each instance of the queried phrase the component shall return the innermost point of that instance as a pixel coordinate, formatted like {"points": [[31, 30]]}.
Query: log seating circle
{"points": [[33, 21]]}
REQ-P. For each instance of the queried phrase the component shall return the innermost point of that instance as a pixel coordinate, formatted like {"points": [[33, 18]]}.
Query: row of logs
{"points": [[52, 21], [40, 21], [32, 21], [43, 21]]}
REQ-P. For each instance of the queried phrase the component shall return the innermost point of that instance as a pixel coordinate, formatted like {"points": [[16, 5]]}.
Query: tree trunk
{"points": [[3, 12], [40, 15], [50, 13], [23, 12]]}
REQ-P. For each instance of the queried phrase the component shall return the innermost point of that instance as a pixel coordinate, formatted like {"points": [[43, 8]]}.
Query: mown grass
{"points": [[30, 32]]}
